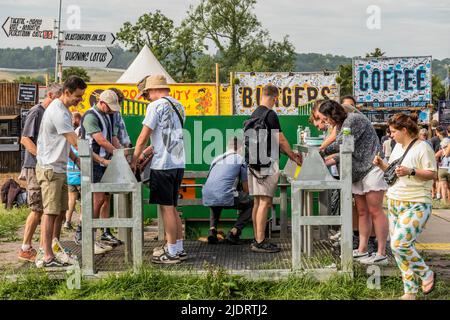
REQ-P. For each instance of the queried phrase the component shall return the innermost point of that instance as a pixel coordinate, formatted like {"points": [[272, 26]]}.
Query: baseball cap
{"points": [[110, 98]]}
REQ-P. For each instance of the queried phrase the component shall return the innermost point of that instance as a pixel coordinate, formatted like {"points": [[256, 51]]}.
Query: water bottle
{"points": [[299, 135], [307, 133]]}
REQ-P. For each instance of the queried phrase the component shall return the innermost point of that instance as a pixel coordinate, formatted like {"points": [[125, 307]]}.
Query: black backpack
{"points": [[251, 126]]}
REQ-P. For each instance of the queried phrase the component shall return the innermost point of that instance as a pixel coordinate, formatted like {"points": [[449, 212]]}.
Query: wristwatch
{"points": [[413, 172]]}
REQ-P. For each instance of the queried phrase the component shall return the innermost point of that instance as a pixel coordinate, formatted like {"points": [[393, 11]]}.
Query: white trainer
{"points": [[375, 259], [99, 249], [359, 255]]}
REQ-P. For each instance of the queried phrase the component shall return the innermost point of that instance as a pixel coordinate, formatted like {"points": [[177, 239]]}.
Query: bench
{"points": [[281, 200]]}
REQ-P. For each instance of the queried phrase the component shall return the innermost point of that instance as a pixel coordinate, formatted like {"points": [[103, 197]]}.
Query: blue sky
{"points": [[408, 27]]}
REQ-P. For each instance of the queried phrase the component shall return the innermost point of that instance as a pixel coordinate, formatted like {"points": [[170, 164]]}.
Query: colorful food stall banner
{"points": [[198, 99], [296, 89]]}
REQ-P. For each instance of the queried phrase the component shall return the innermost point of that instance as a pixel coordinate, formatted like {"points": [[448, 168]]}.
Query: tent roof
{"points": [[143, 65]]}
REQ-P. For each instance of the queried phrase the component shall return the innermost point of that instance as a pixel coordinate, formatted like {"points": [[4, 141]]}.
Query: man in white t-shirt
{"points": [[163, 124], [56, 134]]}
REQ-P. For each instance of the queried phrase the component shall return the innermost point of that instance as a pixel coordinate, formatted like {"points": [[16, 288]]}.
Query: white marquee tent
{"points": [[145, 64]]}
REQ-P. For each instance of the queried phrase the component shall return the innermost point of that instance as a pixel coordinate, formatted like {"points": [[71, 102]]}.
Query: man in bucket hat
{"points": [[163, 124]]}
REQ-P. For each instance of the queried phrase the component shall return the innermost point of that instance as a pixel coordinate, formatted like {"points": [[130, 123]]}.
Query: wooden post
{"points": [[217, 88], [46, 80], [232, 91], [430, 130]]}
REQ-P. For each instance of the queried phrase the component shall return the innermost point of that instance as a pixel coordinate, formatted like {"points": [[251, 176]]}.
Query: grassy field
{"points": [[11, 221], [151, 283]]}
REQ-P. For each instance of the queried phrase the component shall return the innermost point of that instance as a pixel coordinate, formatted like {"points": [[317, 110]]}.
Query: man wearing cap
{"points": [[163, 123], [97, 126]]}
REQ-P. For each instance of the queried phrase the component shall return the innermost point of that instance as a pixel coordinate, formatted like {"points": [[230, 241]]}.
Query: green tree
{"points": [[175, 48], [438, 89], [345, 80], [375, 54], [75, 71], [238, 36], [152, 29], [205, 69], [186, 50]]}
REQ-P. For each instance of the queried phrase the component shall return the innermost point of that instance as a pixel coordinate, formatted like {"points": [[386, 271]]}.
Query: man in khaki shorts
{"points": [[263, 182], [29, 138], [55, 137]]}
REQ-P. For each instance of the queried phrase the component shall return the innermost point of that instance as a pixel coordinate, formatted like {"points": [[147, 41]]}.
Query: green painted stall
{"points": [[203, 140]]}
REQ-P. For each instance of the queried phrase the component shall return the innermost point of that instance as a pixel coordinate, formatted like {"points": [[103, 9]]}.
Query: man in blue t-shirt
{"points": [[220, 191]]}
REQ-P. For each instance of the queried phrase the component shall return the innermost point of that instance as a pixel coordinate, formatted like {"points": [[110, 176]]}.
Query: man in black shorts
{"points": [[163, 123]]}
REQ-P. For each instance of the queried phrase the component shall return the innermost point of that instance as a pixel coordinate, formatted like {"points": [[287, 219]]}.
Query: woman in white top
{"points": [[409, 202]]}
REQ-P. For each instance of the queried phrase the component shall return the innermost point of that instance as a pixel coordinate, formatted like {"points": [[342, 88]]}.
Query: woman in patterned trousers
{"points": [[409, 202]]}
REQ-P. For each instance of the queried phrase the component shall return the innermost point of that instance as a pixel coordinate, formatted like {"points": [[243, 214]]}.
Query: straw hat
{"points": [[156, 81]]}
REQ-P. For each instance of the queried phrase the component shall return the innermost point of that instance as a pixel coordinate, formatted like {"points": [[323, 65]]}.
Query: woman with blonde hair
{"points": [[409, 201]]}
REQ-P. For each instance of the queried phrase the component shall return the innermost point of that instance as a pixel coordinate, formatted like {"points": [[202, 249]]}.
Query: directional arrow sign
{"points": [[23, 27], [87, 57], [89, 38]]}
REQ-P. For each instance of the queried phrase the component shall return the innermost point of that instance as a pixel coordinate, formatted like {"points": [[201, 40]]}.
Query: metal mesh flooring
{"points": [[229, 257]]}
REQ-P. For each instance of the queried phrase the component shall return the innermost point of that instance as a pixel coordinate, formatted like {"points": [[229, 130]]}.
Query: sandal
{"points": [[408, 296], [432, 287]]}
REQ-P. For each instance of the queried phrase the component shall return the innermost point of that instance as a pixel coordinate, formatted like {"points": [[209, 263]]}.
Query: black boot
{"points": [[212, 236], [109, 238]]}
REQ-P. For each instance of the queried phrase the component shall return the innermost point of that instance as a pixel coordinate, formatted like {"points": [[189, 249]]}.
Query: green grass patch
{"points": [[11, 221], [151, 283]]}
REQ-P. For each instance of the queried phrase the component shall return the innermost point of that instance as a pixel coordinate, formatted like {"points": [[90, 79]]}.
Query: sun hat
{"points": [[156, 81]]}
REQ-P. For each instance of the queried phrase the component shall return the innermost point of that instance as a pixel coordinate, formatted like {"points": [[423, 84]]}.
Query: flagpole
{"points": [[58, 47]]}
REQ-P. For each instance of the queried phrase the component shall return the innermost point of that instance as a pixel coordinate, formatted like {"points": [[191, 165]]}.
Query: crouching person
{"points": [[220, 191]]}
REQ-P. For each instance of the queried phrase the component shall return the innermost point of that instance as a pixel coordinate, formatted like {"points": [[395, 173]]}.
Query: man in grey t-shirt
{"points": [[29, 138]]}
